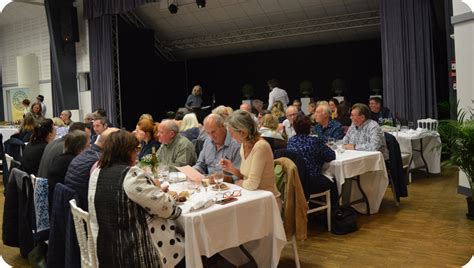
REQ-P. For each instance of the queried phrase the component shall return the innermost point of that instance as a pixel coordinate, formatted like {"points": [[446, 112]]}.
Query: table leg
{"points": [[346, 198], [421, 154]]}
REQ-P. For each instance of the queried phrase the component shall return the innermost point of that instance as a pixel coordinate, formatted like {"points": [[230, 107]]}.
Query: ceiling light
{"points": [[201, 3], [3, 4], [173, 7]]}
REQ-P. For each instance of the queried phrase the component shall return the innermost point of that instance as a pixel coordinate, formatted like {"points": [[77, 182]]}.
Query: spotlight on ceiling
{"points": [[173, 7], [201, 3]]}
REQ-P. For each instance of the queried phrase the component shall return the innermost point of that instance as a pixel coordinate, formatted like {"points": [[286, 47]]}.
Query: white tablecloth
{"points": [[370, 166], [254, 220], [7, 132], [410, 140]]}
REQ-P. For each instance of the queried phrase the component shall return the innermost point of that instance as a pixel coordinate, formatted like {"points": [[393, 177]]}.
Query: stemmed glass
{"points": [[331, 143], [219, 178], [163, 172]]}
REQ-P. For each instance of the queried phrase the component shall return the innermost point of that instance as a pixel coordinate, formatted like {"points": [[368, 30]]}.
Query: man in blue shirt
{"points": [[326, 127], [217, 146]]}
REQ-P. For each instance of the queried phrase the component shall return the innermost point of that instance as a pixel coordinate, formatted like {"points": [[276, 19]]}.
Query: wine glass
{"points": [[219, 178], [163, 172], [331, 142]]}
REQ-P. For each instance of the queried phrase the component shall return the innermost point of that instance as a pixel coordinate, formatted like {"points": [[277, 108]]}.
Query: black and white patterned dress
{"points": [[132, 220]]}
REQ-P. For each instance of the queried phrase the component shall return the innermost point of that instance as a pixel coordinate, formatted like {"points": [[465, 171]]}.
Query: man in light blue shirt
{"points": [[364, 134], [217, 146]]}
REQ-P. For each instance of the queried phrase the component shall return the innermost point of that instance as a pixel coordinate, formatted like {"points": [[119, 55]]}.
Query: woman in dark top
{"points": [[189, 127], [36, 112], [194, 100], [145, 134], [43, 133], [74, 143], [26, 128], [315, 153]]}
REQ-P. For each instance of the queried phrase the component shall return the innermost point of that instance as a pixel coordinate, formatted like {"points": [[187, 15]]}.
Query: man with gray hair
{"points": [[175, 150], [291, 113], [326, 127], [364, 134], [217, 146]]}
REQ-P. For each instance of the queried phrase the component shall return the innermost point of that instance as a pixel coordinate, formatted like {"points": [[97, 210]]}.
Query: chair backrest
{"points": [[300, 164], [8, 159], [84, 235], [294, 206], [276, 144]]}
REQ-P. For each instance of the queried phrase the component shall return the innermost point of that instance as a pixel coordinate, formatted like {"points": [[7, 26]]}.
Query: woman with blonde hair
{"points": [[269, 127], [189, 127], [256, 167], [194, 100], [278, 111]]}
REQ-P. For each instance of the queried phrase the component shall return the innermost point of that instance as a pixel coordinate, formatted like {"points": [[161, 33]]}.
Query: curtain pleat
{"points": [[408, 59], [102, 65], [96, 8]]}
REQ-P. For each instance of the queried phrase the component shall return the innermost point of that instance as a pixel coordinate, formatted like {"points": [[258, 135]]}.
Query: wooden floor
{"points": [[429, 229]]}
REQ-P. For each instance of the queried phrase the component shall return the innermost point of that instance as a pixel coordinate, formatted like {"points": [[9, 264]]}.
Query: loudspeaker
{"points": [[69, 24]]}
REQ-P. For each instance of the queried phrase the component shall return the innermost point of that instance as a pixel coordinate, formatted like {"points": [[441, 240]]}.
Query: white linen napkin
{"points": [[199, 201]]}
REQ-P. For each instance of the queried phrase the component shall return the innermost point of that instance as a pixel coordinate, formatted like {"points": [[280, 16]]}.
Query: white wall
{"points": [[464, 51], [25, 37], [32, 36]]}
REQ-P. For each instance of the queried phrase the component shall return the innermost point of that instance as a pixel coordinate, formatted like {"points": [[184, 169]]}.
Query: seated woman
{"points": [[189, 127], [256, 167], [131, 218], [278, 110], [74, 143], [315, 153], [43, 133], [26, 128], [145, 133], [269, 127]]}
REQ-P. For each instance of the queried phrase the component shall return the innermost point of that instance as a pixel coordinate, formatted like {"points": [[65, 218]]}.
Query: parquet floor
{"points": [[429, 229]]}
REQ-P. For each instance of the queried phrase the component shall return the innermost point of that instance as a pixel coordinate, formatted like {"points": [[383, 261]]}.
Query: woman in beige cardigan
{"points": [[256, 168]]}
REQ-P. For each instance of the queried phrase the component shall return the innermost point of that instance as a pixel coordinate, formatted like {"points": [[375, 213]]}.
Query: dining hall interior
{"points": [[236, 133]]}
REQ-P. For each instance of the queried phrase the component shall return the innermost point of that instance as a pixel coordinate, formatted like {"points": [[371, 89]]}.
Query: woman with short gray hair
{"points": [[256, 168]]}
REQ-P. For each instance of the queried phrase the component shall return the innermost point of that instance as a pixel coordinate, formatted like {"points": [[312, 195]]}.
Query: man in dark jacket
{"points": [[79, 171]]}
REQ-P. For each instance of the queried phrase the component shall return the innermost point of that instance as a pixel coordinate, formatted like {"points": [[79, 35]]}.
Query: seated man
{"points": [[377, 112], [364, 134], [175, 150], [217, 146], [79, 170], [291, 113], [326, 127]]}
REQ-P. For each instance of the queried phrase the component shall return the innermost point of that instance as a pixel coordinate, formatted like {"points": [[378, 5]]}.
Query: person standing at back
{"points": [[276, 94], [40, 100]]}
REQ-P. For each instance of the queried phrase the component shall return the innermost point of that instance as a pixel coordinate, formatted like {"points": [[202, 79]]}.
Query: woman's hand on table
{"points": [[349, 146], [239, 182]]}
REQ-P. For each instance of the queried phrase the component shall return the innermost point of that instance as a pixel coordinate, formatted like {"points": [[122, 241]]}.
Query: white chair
{"points": [[313, 199], [406, 157], [84, 236], [295, 250], [9, 160], [3, 263], [428, 123]]}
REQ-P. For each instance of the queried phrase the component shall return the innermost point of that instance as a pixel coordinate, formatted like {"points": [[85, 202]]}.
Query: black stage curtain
{"points": [[97, 8], [408, 58], [102, 73]]}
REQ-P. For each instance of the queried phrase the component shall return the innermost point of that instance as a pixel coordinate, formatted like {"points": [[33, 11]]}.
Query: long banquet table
{"points": [[253, 220], [7, 132], [370, 166]]}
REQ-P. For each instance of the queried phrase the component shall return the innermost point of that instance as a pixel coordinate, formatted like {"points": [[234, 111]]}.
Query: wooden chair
{"points": [[84, 236], [326, 205]]}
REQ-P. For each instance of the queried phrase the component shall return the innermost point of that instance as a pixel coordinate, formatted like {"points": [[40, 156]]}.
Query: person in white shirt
{"points": [[276, 93], [291, 113]]}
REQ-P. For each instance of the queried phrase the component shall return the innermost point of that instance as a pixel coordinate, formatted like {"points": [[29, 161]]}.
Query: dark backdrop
{"points": [[151, 85], [354, 62]]}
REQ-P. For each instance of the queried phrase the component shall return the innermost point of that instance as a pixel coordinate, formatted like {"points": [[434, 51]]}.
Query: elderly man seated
{"points": [[175, 150], [364, 134], [326, 127], [291, 113], [66, 117], [217, 146]]}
